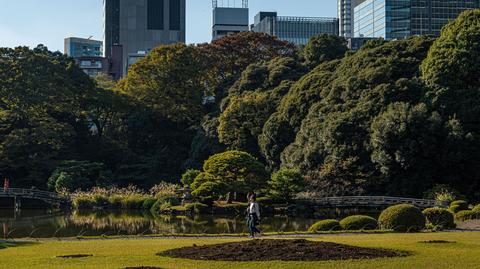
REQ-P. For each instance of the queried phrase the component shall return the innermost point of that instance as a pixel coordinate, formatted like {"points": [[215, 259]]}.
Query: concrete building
{"points": [[134, 27], [88, 55], [229, 18], [398, 19], [346, 15], [77, 47], [297, 30]]}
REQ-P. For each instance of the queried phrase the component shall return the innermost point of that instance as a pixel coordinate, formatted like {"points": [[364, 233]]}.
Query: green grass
{"points": [[121, 253]]}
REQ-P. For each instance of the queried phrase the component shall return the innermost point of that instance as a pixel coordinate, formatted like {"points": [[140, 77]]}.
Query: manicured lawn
{"points": [[120, 253]]}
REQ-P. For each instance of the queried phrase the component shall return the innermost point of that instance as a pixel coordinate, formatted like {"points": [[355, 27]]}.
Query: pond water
{"points": [[47, 224]]}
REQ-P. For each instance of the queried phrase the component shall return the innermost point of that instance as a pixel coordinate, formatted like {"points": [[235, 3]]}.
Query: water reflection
{"points": [[47, 224]]}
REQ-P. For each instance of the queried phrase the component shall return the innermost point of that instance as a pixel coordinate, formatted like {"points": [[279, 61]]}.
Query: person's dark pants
{"points": [[252, 223]]}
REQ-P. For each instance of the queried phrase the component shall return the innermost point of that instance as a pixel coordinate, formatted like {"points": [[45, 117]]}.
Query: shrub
{"points": [[197, 208], [189, 176], [359, 222], [101, 201], [133, 202], [402, 218], [148, 203], [325, 225], [455, 208], [286, 184], [476, 209], [439, 218], [115, 201], [467, 215], [459, 205], [83, 202], [161, 207]]}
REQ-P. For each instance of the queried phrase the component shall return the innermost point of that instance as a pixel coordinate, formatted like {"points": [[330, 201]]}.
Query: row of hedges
{"points": [[399, 218]]}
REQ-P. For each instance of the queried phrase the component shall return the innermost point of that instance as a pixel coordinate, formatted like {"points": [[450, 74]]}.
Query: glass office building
{"points": [[77, 47], [297, 30], [397, 19]]}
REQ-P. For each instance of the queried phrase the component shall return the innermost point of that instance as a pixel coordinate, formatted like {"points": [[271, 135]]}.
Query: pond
{"points": [[47, 224]]}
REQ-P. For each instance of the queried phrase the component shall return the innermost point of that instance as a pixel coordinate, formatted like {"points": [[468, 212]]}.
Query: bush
{"points": [[439, 218], [101, 201], [285, 184], [476, 209], [133, 202], [197, 208], [359, 222], [115, 201], [402, 218], [459, 205], [148, 203], [455, 208], [467, 215], [83, 202], [161, 207], [189, 176], [325, 225]]}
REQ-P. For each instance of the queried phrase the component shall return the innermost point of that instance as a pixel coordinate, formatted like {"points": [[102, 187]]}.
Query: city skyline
{"points": [[85, 19]]}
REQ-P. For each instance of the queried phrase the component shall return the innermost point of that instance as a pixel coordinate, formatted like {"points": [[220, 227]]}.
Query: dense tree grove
{"points": [[393, 118]]}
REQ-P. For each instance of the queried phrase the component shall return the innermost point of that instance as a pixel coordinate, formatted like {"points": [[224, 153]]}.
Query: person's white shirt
{"points": [[253, 208]]}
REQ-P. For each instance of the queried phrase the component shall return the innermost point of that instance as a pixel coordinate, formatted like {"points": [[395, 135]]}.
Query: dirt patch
{"points": [[437, 242], [283, 250], [143, 267], [75, 256]]}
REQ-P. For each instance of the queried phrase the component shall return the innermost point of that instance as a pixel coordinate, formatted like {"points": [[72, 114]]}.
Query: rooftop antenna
{"points": [[229, 3]]}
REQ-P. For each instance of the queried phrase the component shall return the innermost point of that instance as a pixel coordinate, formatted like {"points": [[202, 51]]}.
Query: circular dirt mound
{"points": [[284, 250]]}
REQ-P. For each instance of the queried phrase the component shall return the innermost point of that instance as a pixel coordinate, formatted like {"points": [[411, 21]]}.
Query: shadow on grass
{"points": [[11, 244]]}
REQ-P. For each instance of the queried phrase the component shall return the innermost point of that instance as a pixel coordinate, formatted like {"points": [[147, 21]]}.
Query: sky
{"points": [[33, 22]]}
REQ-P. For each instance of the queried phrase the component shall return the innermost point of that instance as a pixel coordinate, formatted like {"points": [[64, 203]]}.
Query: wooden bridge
{"points": [[48, 197], [370, 201]]}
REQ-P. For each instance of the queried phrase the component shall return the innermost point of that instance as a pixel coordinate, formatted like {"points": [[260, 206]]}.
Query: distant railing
{"points": [[34, 194], [371, 201]]}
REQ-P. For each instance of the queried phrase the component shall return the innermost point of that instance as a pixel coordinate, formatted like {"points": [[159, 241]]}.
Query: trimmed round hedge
{"points": [[467, 215], [325, 226], [439, 217], [359, 222], [402, 218]]}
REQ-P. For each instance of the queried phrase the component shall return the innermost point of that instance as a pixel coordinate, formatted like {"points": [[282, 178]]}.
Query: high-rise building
{"points": [[77, 47], [397, 19], [297, 30], [87, 54], [135, 27], [229, 18], [346, 15]]}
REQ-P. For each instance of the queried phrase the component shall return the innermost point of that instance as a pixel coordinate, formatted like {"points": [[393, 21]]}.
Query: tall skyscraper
{"points": [[346, 15], [134, 27], [297, 30], [229, 18], [397, 19]]}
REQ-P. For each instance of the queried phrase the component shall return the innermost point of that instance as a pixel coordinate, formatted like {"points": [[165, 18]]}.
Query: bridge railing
{"points": [[373, 201], [11, 192]]}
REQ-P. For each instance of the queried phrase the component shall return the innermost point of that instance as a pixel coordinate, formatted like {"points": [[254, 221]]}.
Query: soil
{"points": [[282, 250], [75, 256]]}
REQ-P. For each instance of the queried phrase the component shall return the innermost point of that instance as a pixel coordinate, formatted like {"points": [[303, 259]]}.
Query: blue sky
{"points": [[31, 22]]}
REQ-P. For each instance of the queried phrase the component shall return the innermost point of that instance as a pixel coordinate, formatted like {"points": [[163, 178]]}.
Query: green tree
{"points": [[189, 176], [239, 171], [78, 175], [324, 48], [285, 184], [170, 81]]}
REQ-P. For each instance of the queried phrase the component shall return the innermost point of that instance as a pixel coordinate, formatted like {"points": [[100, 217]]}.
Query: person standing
{"points": [[253, 216]]}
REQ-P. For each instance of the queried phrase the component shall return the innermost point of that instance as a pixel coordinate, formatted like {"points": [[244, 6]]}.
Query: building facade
{"points": [[297, 30], [88, 55], [229, 19], [346, 15], [398, 19], [135, 27]]}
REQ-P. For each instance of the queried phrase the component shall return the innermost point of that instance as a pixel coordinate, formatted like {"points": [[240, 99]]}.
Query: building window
{"points": [[175, 15], [155, 14]]}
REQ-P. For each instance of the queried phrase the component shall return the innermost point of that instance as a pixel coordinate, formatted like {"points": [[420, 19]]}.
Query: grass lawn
{"points": [[120, 253]]}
